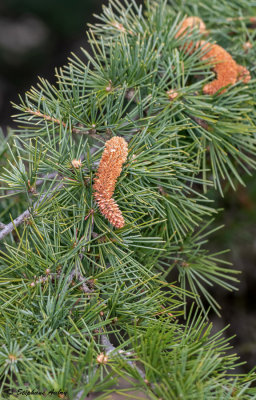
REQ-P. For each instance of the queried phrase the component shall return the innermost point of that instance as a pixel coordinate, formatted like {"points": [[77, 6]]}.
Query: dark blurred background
{"points": [[37, 36], [238, 308]]}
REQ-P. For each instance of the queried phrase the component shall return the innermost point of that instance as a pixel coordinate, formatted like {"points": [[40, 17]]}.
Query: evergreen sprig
{"points": [[84, 304]]}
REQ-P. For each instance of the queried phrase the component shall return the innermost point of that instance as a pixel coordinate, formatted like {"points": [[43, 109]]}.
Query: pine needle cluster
{"points": [[104, 196]]}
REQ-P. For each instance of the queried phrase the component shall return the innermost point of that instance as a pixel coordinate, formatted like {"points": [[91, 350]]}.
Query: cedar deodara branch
{"points": [[110, 168]]}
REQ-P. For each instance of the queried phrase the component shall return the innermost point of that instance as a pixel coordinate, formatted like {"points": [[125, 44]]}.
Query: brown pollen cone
{"points": [[226, 69], [110, 168]]}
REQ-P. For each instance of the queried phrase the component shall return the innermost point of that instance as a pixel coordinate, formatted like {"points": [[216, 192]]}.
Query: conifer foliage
{"points": [[104, 196]]}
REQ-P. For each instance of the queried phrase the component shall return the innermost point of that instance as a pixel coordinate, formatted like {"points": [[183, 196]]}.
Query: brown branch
{"points": [[103, 359], [92, 132], [76, 274], [6, 229], [46, 117], [39, 182], [16, 222], [200, 122], [249, 18], [110, 349], [26, 214], [164, 312], [131, 94]]}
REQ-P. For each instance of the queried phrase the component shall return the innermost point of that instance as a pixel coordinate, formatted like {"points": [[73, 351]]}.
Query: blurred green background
{"points": [[37, 36]]}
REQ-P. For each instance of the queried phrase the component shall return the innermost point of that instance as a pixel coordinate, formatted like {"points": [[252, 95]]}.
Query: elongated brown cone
{"points": [[110, 168], [226, 69]]}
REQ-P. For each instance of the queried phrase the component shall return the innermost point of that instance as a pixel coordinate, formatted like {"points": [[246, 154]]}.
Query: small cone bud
{"points": [[77, 163]]}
